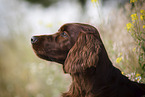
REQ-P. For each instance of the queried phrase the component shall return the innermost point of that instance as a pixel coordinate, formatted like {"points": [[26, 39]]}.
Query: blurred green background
{"points": [[23, 74]]}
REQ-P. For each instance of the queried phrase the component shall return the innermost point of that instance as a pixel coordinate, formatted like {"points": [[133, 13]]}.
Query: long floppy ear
{"points": [[83, 54]]}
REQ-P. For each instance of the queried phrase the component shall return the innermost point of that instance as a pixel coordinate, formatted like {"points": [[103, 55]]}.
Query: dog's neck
{"points": [[85, 82], [90, 81]]}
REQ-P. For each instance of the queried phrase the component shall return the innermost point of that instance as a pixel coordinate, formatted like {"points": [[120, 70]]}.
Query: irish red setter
{"points": [[79, 48]]}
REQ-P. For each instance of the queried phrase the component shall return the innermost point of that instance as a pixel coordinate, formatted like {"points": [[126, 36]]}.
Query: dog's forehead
{"points": [[76, 27], [70, 28], [66, 27]]}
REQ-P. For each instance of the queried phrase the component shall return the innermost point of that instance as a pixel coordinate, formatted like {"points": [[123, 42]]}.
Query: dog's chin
{"points": [[47, 58]]}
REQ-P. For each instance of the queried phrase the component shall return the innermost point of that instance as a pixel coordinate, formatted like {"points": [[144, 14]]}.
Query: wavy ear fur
{"points": [[83, 55]]}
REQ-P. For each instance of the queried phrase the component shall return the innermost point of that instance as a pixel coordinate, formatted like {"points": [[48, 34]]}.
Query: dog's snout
{"points": [[34, 39]]}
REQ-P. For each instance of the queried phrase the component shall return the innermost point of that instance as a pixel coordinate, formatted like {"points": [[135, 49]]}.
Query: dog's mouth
{"points": [[41, 54]]}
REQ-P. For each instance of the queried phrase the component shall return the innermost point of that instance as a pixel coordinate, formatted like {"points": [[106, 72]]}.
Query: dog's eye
{"points": [[63, 34]]}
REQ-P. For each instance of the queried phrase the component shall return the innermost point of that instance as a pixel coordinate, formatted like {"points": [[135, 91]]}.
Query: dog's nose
{"points": [[34, 39]]}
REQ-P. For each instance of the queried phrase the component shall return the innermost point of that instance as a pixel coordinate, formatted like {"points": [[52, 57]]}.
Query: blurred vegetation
{"points": [[23, 74], [45, 3], [126, 45], [137, 30]]}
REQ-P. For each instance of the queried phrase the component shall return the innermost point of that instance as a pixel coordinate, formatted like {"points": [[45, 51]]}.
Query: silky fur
{"points": [[84, 57]]}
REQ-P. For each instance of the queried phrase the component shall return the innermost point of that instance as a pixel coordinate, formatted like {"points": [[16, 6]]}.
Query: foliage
{"points": [[22, 74], [122, 48], [137, 30], [45, 3]]}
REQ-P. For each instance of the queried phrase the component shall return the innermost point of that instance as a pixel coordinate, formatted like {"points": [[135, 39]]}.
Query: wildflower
{"points": [[129, 26], [137, 75], [94, 1], [138, 79], [142, 17], [134, 17], [132, 1], [143, 26], [142, 11], [122, 72], [118, 60], [134, 49]]}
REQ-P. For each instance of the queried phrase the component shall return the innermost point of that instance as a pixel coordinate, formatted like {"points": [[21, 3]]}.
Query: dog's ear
{"points": [[83, 55]]}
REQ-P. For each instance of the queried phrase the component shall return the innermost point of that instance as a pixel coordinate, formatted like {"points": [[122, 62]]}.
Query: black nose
{"points": [[34, 39]]}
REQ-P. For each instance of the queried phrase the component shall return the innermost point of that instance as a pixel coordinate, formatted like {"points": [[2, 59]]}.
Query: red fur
{"points": [[79, 48]]}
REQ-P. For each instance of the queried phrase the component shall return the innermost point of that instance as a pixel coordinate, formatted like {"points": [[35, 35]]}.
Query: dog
{"points": [[80, 50]]}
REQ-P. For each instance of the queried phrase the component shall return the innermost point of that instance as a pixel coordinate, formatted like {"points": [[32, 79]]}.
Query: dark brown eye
{"points": [[63, 34]]}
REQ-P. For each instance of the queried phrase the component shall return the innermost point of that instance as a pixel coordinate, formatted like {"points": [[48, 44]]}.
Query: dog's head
{"points": [[75, 45]]}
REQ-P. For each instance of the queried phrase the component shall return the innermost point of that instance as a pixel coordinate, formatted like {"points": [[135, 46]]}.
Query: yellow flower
{"points": [[122, 72], [142, 17], [138, 80], [132, 1], [137, 75], [143, 26], [134, 49], [129, 26], [118, 60], [134, 17], [142, 11], [94, 1]]}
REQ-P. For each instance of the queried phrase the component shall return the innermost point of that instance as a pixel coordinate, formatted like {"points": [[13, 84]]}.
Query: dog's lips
{"points": [[48, 57], [36, 47]]}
